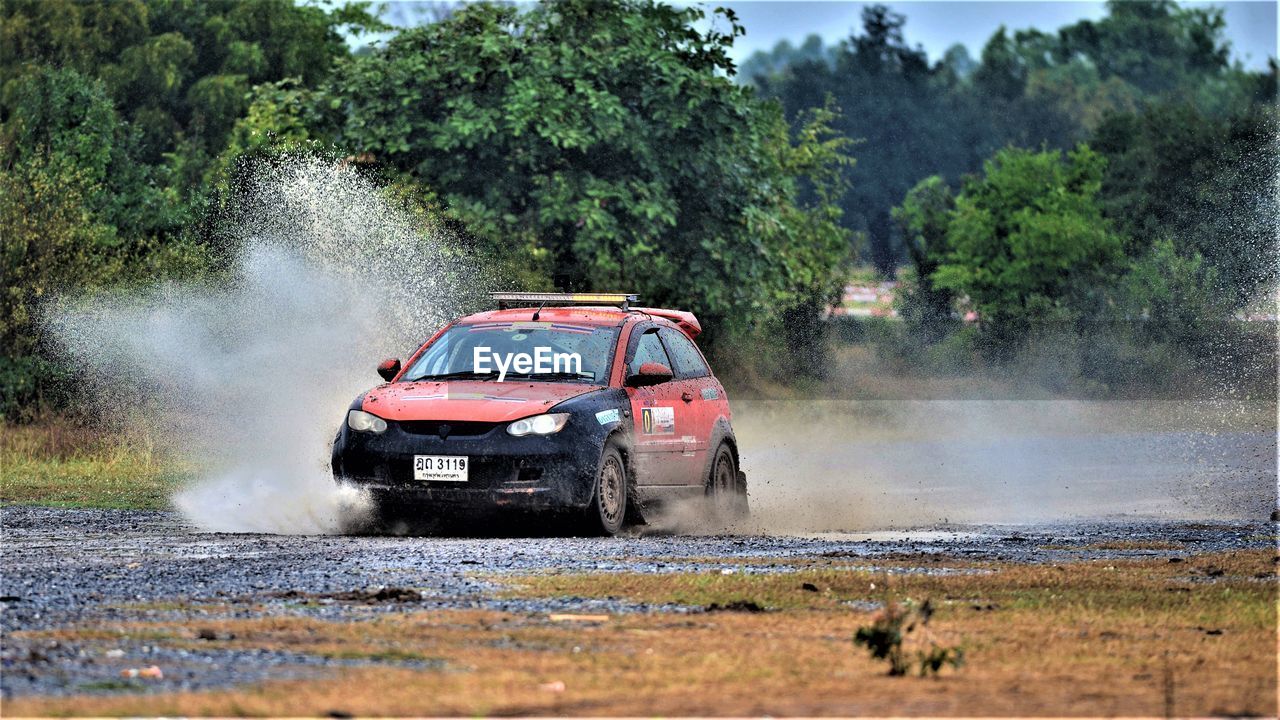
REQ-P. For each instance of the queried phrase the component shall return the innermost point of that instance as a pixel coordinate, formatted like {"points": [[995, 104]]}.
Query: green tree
{"points": [[907, 117], [1148, 50], [1174, 297], [598, 145], [1001, 74], [1028, 241], [110, 112], [1154, 45], [923, 220], [1031, 88], [77, 211], [50, 199], [783, 55], [177, 70], [1206, 183]]}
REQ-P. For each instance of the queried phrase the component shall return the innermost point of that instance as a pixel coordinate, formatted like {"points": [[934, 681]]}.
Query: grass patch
{"points": [[59, 463], [387, 655], [1088, 638], [1137, 585]]}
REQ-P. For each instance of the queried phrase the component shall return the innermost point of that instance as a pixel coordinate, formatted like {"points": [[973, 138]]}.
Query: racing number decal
{"points": [[658, 420]]}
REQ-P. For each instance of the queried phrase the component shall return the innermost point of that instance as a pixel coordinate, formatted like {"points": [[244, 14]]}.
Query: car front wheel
{"points": [[608, 507]]}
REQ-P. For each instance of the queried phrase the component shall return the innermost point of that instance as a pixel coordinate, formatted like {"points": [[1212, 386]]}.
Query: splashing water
{"points": [[250, 379]]}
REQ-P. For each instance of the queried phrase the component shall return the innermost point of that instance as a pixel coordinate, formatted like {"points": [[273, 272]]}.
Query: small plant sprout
{"points": [[900, 635]]}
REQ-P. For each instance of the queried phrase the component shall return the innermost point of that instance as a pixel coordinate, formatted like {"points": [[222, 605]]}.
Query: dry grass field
{"points": [[1131, 637]]}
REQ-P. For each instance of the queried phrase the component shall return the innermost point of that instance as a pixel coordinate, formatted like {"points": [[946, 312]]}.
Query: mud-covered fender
{"points": [[600, 415], [608, 410]]}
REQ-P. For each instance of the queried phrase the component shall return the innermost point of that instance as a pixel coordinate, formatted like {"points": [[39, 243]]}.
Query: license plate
{"points": [[446, 468]]}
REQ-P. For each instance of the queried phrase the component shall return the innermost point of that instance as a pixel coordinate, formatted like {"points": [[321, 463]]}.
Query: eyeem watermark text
{"points": [[542, 360]]}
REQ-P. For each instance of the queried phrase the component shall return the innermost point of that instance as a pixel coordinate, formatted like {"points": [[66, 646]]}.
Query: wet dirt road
{"points": [[833, 465], [89, 568]]}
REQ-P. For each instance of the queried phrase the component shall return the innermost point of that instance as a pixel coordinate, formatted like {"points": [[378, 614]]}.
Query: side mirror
{"points": [[650, 373], [388, 369]]}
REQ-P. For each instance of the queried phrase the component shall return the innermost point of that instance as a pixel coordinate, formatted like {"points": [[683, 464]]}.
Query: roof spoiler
{"points": [[684, 320], [512, 299]]}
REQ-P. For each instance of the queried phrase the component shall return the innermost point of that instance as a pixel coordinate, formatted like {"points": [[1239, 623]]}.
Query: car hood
{"points": [[476, 400]]}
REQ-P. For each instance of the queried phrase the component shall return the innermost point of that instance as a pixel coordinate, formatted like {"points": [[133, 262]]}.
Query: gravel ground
{"points": [[87, 568]]}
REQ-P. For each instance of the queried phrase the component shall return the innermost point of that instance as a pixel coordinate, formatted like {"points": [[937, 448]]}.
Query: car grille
{"points": [[457, 428]]}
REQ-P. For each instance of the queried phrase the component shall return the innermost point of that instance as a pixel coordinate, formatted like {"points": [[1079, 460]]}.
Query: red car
{"points": [[577, 403]]}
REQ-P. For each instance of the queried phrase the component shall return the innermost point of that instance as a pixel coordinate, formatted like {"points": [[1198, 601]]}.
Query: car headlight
{"points": [[539, 425], [362, 421]]}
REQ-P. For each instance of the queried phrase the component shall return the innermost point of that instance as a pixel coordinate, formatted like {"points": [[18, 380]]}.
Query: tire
{"points": [[727, 488], [606, 513]]}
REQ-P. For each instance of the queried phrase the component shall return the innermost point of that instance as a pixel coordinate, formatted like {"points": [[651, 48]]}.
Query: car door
{"points": [[700, 393], [662, 419]]}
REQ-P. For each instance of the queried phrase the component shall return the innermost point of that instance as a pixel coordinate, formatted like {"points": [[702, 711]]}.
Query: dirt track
{"points": [[89, 568]]}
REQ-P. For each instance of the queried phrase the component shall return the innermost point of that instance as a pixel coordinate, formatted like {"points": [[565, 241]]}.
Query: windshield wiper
{"points": [[461, 374], [552, 376]]}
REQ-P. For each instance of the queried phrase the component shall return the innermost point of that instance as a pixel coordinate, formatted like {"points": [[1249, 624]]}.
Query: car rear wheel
{"points": [[608, 507], [727, 488]]}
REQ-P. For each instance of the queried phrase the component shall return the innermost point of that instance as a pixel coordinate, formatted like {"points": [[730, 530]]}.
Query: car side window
{"points": [[649, 349], [688, 361]]}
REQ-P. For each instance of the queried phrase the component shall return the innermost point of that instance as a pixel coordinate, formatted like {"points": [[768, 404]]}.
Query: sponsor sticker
{"points": [[658, 421], [710, 394], [604, 417]]}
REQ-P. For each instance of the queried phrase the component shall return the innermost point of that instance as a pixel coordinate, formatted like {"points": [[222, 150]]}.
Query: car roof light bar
{"points": [[510, 299]]}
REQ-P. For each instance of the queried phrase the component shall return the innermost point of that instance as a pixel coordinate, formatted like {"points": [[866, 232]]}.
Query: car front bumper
{"points": [[531, 472]]}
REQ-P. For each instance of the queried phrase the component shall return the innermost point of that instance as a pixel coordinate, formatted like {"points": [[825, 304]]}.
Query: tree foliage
{"points": [[907, 122], [76, 211], [1027, 237], [600, 145], [1207, 184], [922, 221], [1030, 88], [591, 144], [179, 70], [109, 115], [63, 160]]}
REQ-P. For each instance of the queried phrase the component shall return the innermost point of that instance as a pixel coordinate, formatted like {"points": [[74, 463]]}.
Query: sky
{"points": [[938, 24]]}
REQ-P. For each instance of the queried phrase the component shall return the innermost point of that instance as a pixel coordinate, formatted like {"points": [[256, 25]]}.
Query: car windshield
{"points": [[542, 351]]}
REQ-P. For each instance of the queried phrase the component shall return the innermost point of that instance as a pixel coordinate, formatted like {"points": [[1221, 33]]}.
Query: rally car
{"points": [[577, 403]]}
